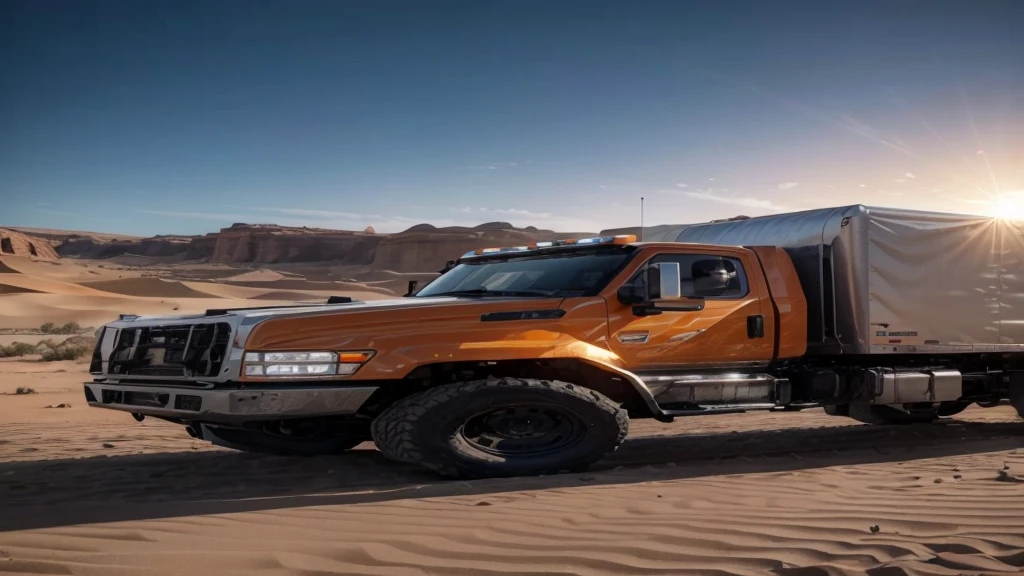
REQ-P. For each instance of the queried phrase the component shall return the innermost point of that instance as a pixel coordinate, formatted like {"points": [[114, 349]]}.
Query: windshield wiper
{"points": [[486, 292]]}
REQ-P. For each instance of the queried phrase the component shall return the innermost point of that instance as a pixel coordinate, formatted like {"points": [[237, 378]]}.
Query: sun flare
{"points": [[1009, 205]]}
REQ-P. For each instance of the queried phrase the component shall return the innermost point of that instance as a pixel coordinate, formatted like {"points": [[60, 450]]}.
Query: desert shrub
{"points": [[69, 328], [63, 353], [71, 349], [17, 349], [22, 390]]}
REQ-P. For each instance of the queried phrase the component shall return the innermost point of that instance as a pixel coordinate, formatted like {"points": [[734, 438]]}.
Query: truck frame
{"points": [[533, 359]]}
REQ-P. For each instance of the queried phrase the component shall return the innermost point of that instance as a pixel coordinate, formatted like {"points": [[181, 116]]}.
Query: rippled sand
{"points": [[91, 492]]}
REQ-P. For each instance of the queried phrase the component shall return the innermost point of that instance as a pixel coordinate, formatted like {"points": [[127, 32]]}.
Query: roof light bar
{"points": [[597, 240]]}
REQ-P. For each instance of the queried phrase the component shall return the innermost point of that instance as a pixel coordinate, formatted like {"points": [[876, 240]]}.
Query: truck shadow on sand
{"points": [[50, 493]]}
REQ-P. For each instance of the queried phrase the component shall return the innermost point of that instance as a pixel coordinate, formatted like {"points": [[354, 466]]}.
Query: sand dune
{"points": [[31, 310], [302, 296], [10, 289], [35, 292], [340, 288], [27, 266], [34, 284], [148, 287], [261, 275]]}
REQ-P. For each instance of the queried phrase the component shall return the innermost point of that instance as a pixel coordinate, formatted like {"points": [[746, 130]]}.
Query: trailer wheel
{"points": [[501, 427]]}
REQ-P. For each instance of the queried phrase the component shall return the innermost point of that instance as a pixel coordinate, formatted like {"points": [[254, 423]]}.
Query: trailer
{"points": [[890, 281]]}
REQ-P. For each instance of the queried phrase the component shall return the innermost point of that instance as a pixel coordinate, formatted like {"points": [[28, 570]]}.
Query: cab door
{"points": [[735, 328]]}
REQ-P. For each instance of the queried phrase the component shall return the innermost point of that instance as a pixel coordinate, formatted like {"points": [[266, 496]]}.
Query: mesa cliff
{"points": [[14, 243], [422, 248]]}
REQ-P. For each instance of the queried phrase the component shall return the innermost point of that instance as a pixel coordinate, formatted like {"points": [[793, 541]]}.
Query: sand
{"points": [[148, 287], [87, 491], [261, 275], [93, 293]]}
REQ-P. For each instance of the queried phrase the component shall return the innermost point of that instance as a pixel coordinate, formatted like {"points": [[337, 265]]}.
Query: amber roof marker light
{"points": [[620, 239]]}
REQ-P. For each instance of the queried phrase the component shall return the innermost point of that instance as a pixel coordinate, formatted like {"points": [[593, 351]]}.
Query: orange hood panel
{"points": [[410, 332]]}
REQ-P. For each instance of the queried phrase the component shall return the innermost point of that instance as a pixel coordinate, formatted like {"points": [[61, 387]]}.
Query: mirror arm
{"points": [[642, 310]]}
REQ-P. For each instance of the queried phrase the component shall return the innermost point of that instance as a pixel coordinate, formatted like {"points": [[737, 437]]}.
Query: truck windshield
{"points": [[551, 275]]}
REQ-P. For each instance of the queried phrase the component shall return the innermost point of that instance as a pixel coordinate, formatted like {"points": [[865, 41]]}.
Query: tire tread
{"points": [[394, 430]]}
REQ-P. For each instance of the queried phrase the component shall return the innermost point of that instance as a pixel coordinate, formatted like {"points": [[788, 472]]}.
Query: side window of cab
{"points": [[707, 275]]}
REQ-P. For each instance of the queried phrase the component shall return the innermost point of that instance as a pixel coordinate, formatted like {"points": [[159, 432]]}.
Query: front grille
{"points": [[189, 351]]}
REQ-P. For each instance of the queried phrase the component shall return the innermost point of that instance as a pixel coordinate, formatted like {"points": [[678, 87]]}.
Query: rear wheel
{"points": [[501, 427]]}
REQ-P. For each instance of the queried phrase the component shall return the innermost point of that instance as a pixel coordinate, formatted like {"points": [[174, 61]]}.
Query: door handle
{"points": [[755, 326]]}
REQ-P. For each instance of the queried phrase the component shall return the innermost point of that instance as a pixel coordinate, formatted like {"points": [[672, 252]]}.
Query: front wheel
{"points": [[501, 427]]}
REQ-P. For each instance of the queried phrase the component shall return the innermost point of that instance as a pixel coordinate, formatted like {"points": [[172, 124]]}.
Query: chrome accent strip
{"points": [[729, 388], [944, 348]]}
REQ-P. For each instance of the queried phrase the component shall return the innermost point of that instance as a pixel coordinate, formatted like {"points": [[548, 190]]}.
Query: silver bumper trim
{"points": [[228, 406]]}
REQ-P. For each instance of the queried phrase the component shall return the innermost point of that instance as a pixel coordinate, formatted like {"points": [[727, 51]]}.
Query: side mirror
{"points": [[663, 282], [661, 292]]}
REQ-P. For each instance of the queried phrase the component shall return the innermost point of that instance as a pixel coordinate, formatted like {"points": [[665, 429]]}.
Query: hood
{"points": [[334, 326], [257, 313]]}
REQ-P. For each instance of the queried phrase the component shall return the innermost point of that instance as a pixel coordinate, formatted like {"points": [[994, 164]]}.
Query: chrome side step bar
{"points": [[709, 393]]}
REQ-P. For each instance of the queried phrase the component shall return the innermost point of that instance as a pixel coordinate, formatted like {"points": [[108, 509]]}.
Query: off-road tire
{"points": [[428, 428], [260, 443]]}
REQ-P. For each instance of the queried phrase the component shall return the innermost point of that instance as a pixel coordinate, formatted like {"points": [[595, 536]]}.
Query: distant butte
{"points": [[15, 243], [423, 247]]}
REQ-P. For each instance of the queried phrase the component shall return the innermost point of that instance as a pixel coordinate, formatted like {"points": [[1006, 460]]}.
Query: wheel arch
{"points": [[619, 385]]}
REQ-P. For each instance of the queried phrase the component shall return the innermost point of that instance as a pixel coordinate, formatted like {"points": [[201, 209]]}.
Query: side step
{"points": [[695, 393], [722, 409]]}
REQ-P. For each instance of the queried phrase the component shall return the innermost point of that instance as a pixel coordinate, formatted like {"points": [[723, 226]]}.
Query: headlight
{"points": [[314, 364]]}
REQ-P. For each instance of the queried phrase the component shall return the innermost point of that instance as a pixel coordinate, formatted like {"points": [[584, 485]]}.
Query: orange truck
{"points": [[532, 359]]}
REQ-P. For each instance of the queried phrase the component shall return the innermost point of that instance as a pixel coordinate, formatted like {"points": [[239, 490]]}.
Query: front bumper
{"points": [[228, 406]]}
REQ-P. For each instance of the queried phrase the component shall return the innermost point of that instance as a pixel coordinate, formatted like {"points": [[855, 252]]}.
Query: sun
{"points": [[1009, 205]]}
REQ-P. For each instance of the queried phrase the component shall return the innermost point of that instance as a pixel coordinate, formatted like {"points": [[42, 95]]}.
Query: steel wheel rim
{"points": [[523, 430]]}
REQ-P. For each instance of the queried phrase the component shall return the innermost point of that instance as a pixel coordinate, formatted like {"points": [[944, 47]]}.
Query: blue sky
{"points": [[185, 116]]}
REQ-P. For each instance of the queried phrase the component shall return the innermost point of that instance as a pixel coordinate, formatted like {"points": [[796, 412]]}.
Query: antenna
{"points": [[641, 218]]}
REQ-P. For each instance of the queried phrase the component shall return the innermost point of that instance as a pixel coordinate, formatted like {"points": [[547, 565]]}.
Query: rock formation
{"points": [[422, 248], [425, 248], [14, 243], [269, 244]]}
